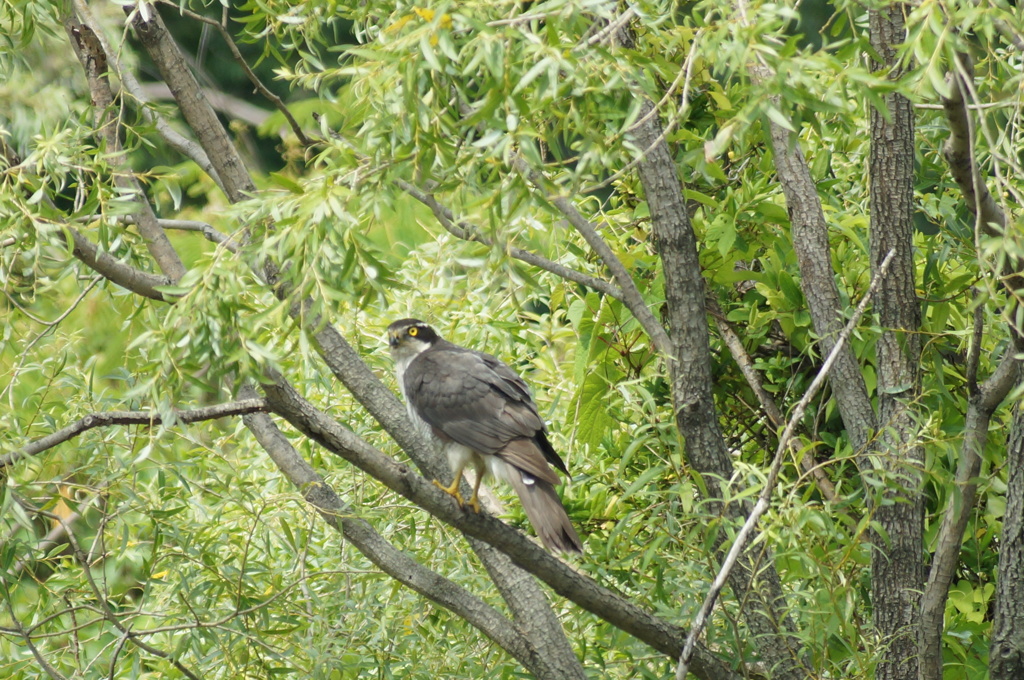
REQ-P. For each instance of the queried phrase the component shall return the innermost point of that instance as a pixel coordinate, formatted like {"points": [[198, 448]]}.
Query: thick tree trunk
{"points": [[696, 416], [1006, 659], [897, 564]]}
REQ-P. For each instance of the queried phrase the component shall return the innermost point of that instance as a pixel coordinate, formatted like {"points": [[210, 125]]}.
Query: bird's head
{"points": [[409, 337]]}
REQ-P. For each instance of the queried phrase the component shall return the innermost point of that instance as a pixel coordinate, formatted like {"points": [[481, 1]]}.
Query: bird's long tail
{"points": [[546, 513]]}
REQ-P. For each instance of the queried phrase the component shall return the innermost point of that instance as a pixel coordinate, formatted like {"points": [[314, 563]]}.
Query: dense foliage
{"points": [[406, 190]]}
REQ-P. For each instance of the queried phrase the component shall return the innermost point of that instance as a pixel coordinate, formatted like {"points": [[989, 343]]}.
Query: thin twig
{"points": [[93, 58], [608, 30], [686, 75], [235, 408], [20, 630], [771, 410], [176, 140], [209, 232], [253, 78], [769, 486], [108, 613], [468, 232], [631, 296], [523, 19]]}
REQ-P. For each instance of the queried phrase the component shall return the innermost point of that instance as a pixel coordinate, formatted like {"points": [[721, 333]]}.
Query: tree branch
{"points": [[150, 418], [195, 108], [817, 277], [208, 231], [1006, 656], [20, 630], [631, 296], [240, 60], [974, 351], [959, 154], [378, 550], [528, 555], [897, 563], [773, 474], [108, 613], [468, 232], [981, 406], [90, 53], [746, 364], [103, 263], [124, 275], [181, 144]]}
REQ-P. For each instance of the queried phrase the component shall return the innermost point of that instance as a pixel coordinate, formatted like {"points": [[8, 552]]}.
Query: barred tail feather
{"points": [[546, 514]]}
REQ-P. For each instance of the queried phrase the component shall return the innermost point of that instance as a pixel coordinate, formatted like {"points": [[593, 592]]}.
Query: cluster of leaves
{"points": [[192, 540]]}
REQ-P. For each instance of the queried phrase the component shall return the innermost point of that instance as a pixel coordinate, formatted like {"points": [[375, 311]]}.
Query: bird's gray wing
{"points": [[475, 400], [514, 387]]}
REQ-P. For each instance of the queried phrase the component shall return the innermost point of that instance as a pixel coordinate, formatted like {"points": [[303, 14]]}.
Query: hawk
{"points": [[484, 416]]}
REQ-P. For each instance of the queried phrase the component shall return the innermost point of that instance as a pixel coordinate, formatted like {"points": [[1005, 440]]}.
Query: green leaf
{"points": [[286, 183], [779, 119]]}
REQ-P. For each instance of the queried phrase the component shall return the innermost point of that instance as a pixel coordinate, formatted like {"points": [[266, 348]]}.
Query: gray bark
{"points": [[981, 406], [1006, 658], [989, 219], [818, 283], [754, 580], [196, 109], [897, 560], [398, 565], [528, 555], [93, 59]]}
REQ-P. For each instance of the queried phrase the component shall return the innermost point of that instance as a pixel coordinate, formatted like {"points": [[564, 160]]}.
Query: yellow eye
{"points": [[414, 331]]}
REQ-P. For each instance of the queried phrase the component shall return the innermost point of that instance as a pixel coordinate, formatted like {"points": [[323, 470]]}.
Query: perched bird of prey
{"points": [[483, 415]]}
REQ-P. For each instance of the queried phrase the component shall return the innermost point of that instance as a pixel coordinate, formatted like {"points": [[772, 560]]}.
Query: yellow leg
{"points": [[474, 502], [453, 490]]}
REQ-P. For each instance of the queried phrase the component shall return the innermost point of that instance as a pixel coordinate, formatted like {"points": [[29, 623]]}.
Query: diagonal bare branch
{"points": [[631, 296], [240, 60], [773, 474], [771, 409], [94, 61], [959, 153], [375, 547], [124, 275], [528, 555], [176, 140], [27, 639], [468, 232], [192, 103]]}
